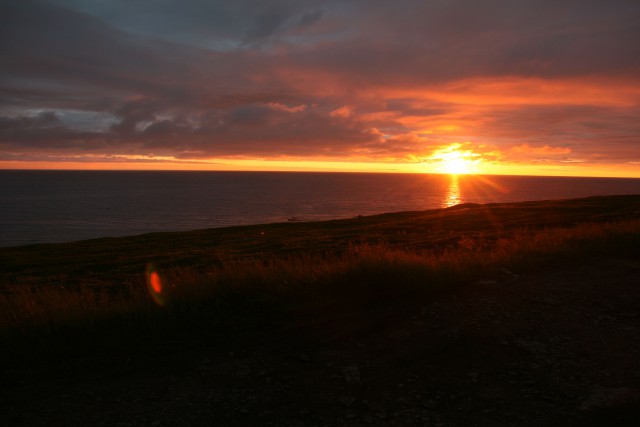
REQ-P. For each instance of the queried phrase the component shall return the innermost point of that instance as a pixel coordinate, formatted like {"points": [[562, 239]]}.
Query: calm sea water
{"points": [[61, 206]]}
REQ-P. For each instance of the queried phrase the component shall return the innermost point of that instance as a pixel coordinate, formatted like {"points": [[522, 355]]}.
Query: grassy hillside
{"points": [[366, 258], [467, 280]]}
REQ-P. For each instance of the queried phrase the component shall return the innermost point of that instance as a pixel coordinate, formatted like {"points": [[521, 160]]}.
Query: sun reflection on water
{"points": [[453, 196]]}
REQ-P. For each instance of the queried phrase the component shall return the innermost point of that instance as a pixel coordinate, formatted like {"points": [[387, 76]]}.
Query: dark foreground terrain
{"points": [[555, 342]]}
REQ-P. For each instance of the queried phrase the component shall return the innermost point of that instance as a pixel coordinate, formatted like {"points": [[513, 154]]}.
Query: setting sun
{"points": [[456, 165], [453, 160]]}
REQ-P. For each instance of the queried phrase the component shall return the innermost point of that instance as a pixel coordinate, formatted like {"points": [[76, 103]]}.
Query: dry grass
{"points": [[366, 273]]}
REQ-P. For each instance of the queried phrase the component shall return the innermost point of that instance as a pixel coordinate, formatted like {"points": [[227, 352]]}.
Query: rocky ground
{"points": [[555, 347]]}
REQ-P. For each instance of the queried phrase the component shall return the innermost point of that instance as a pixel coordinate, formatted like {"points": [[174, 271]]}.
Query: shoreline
{"points": [[109, 257], [485, 315], [57, 209]]}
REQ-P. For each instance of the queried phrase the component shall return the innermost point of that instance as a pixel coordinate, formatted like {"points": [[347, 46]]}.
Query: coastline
{"points": [[43, 207], [376, 337], [109, 258]]}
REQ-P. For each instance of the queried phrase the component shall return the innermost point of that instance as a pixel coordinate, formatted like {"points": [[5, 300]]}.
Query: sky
{"points": [[539, 87]]}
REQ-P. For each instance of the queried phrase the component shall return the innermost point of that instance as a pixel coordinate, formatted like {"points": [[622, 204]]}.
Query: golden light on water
{"points": [[453, 196], [471, 188]]}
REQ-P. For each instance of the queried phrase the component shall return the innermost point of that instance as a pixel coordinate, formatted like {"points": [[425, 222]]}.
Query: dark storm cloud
{"points": [[316, 78], [46, 132], [132, 114], [219, 24], [27, 130], [422, 42], [43, 41], [66, 49], [261, 130]]}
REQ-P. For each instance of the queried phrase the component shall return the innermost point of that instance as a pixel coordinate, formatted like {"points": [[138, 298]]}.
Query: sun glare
{"points": [[454, 161], [456, 166]]}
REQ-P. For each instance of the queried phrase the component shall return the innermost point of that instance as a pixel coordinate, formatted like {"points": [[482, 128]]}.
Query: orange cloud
{"points": [[515, 90], [544, 150], [281, 107], [344, 112]]}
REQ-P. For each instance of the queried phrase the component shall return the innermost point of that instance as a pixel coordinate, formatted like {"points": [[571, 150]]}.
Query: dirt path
{"points": [[548, 348]]}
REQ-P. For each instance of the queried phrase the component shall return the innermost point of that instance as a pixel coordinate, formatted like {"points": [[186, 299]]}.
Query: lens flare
{"points": [[155, 285]]}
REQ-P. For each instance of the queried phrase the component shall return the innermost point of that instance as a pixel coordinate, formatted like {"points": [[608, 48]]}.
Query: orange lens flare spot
{"points": [[155, 285], [155, 282]]}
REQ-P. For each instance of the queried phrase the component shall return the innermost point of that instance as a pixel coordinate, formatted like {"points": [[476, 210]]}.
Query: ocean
{"points": [[63, 206]]}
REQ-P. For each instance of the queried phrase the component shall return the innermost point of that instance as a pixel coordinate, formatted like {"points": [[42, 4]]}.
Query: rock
{"points": [[351, 415], [351, 374], [610, 397], [303, 413], [243, 370], [506, 272], [534, 347], [629, 315], [304, 357], [347, 400], [430, 404]]}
